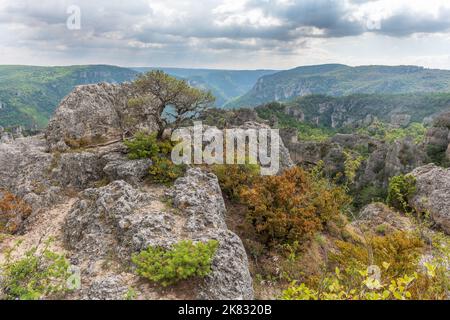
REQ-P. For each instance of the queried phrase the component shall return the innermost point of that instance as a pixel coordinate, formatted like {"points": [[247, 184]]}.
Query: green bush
{"points": [[142, 146], [163, 170], [401, 188], [35, 276], [367, 195], [184, 260]]}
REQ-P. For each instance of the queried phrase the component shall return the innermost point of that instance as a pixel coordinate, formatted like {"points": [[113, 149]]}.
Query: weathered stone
{"points": [[78, 170], [119, 167], [118, 220], [432, 195], [376, 215], [94, 114], [107, 288]]}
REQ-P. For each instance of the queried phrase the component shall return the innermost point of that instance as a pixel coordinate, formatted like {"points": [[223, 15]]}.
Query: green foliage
{"points": [[142, 146], [401, 250], [30, 94], [340, 80], [357, 277], [184, 260], [385, 132], [351, 165], [368, 194], [226, 85], [163, 170], [306, 131], [341, 286], [401, 188], [185, 102], [131, 294], [37, 275]]}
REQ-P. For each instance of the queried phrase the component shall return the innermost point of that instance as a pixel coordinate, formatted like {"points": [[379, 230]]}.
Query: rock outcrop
{"points": [[437, 141], [432, 195], [94, 114], [383, 160], [378, 216], [118, 220]]}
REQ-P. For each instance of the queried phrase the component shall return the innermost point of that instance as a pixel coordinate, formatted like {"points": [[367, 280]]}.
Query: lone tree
{"points": [[176, 97]]}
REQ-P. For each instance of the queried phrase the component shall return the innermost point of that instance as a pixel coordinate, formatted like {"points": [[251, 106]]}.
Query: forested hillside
{"points": [[29, 95], [226, 85], [341, 80]]}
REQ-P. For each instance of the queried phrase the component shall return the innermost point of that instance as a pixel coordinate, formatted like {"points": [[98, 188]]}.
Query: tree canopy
{"points": [[185, 102]]}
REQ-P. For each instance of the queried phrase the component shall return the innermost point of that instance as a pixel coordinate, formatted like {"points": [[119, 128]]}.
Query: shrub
{"points": [[233, 178], [369, 194], [429, 282], [363, 286], [163, 170], [401, 188], [352, 164], [292, 206], [13, 211], [401, 250], [35, 276], [142, 146], [184, 260]]}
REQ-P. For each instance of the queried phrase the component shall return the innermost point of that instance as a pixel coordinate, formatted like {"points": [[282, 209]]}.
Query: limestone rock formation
{"points": [[94, 114], [384, 160], [437, 141], [432, 195], [118, 220], [378, 215]]}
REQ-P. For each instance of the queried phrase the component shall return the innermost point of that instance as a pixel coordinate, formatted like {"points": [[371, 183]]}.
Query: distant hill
{"points": [[360, 109], [342, 80], [226, 85], [29, 95]]}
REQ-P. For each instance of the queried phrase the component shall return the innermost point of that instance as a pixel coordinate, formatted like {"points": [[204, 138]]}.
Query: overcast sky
{"points": [[233, 34]]}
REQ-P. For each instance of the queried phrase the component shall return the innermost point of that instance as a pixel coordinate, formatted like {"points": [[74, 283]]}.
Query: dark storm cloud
{"points": [[407, 23]]}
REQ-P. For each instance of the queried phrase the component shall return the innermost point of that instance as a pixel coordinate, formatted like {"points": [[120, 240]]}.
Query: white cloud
{"points": [[232, 33]]}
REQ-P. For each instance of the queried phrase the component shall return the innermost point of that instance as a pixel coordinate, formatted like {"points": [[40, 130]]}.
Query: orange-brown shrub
{"points": [[293, 206], [13, 211]]}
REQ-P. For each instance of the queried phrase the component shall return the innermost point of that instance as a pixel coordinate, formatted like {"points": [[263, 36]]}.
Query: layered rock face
{"points": [[433, 194], [92, 114]]}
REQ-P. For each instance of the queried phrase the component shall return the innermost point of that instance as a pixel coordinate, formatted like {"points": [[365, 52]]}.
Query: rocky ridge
{"points": [[106, 210]]}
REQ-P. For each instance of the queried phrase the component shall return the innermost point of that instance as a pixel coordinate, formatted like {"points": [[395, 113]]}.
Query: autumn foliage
{"points": [[13, 211], [293, 206]]}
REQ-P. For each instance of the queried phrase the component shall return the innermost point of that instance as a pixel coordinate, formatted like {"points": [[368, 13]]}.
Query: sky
{"points": [[225, 34]]}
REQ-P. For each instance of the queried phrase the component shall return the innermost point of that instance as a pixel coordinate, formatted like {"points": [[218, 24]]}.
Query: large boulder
{"points": [[378, 217], [432, 195], [95, 114], [437, 140], [118, 220], [25, 171], [119, 167]]}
